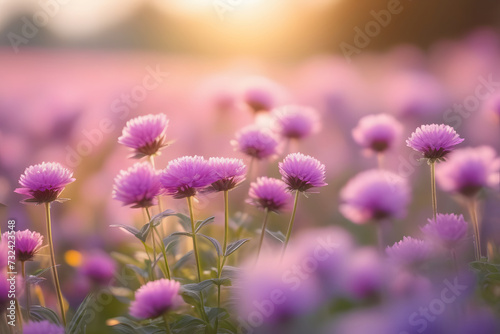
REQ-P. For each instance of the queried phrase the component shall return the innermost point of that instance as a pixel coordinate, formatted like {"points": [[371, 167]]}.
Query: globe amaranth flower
{"points": [[145, 134], [409, 252], [185, 176], [43, 183], [155, 298], [468, 170], [295, 122], [302, 172], [268, 193], [260, 94], [42, 327], [98, 267], [374, 195], [229, 173], [377, 133], [446, 229], [28, 243], [434, 141], [138, 186], [256, 142]]}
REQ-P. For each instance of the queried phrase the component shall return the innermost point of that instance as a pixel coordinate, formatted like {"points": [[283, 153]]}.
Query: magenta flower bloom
{"points": [[155, 298], [434, 141], [28, 243], [138, 186], [260, 94], [374, 195], [377, 133], [296, 122], [447, 229], [4, 291], [409, 252], [468, 170], [145, 134], [99, 268], [229, 173], [259, 143], [43, 183], [185, 176], [268, 193], [42, 327], [302, 172]]}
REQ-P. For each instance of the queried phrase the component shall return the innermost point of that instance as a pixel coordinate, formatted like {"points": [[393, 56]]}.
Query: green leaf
{"points": [[40, 313], [132, 230], [202, 223], [230, 272], [190, 297], [183, 260], [141, 272], [278, 235], [214, 242], [485, 267], [159, 217], [33, 280], [233, 246], [76, 323], [186, 323], [493, 277], [197, 287], [185, 221]]}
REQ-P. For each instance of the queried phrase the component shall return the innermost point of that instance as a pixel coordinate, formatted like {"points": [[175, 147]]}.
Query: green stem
{"points": [[164, 252], [195, 244], [475, 224], [27, 288], [264, 224], [150, 271], [53, 263], [454, 260], [290, 225], [167, 326], [380, 160], [433, 189], [153, 264]]}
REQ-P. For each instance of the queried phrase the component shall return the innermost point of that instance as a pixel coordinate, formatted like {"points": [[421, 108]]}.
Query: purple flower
{"points": [[409, 252], [155, 298], [99, 268], [259, 143], [263, 284], [434, 141], [44, 182], [374, 195], [184, 176], [302, 172], [468, 170], [138, 186], [229, 173], [42, 327], [447, 229], [145, 134], [269, 193], [364, 273], [28, 243], [377, 133], [296, 122], [260, 94], [4, 291]]}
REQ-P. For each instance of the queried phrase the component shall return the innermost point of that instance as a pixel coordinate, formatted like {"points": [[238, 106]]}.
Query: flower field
{"points": [[147, 193]]}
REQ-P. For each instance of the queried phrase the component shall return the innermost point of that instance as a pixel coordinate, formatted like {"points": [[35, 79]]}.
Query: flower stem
{"points": [[264, 224], [195, 244], [153, 264], [475, 224], [53, 263], [162, 246], [27, 287], [433, 189], [290, 225], [380, 160], [167, 326], [454, 260]]}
